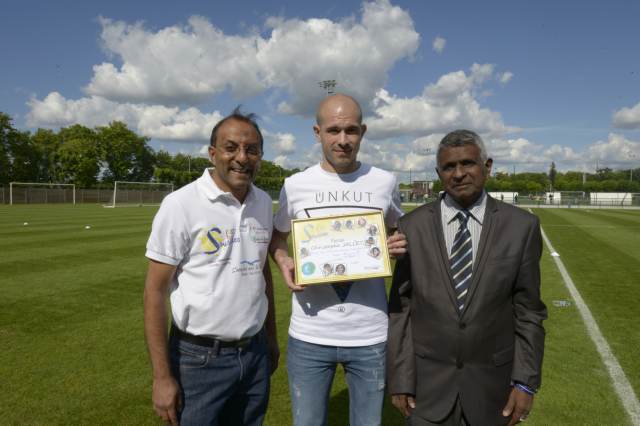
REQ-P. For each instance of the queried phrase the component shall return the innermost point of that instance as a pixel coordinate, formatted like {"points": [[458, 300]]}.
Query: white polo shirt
{"points": [[219, 247]]}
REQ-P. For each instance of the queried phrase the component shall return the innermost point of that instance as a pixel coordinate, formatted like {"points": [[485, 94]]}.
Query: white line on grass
{"points": [[620, 382]]}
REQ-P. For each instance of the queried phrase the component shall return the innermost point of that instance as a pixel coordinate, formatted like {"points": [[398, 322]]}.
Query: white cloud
{"points": [[627, 118], [282, 161], [515, 151], [427, 145], [281, 143], [419, 156], [448, 104], [288, 162], [154, 121], [152, 74], [505, 77], [617, 151], [175, 64], [358, 54], [563, 154], [387, 155], [438, 44], [196, 61], [310, 156]]}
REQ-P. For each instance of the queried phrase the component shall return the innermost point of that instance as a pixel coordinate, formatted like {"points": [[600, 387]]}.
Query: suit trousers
{"points": [[454, 418]]}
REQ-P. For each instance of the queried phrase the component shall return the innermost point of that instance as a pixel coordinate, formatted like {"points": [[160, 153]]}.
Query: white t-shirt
{"points": [[219, 247], [319, 315]]}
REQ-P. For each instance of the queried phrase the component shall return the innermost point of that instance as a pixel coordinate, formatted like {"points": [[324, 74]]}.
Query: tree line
{"points": [[603, 180], [104, 154], [94, 157]]}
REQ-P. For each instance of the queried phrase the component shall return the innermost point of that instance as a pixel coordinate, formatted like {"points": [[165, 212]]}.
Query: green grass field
{"points": [[72, 336]]}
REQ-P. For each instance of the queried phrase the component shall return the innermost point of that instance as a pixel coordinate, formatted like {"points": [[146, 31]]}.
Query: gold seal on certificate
{"points": [[340, 248]]}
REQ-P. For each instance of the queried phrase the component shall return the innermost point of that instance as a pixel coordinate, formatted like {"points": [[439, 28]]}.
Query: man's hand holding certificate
{"points": [[340, 248]]}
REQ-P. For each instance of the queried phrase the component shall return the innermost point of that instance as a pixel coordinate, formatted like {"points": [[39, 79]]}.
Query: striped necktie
{"points": [[461, 259]]}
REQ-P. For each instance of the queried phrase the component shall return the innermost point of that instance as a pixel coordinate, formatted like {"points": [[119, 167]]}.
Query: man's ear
{"points": [[488, 165], [363, 130], [212, 153], [316, 132]]}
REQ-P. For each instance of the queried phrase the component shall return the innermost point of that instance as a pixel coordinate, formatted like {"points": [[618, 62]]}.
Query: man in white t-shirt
{"points": [[341, 323], [208, 255]]}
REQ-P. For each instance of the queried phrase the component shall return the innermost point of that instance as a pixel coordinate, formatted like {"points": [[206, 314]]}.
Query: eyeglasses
{"points": [[231, 150]]}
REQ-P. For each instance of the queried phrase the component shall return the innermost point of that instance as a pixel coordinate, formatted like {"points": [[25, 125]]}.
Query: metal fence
{"points": [[37, 195], [571, 199]]}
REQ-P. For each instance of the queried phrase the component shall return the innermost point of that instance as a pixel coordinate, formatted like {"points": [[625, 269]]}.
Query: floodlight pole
{"points": [[328, 86]]}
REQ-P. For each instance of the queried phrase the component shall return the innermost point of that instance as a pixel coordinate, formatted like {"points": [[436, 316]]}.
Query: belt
{"points": [[209, 342]]}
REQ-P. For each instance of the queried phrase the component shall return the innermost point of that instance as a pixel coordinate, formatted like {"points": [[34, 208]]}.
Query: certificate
{"points": [[340, 248]]}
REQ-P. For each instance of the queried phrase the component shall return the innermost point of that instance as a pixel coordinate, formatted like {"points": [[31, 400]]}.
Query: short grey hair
{"points": [[463, 137]]}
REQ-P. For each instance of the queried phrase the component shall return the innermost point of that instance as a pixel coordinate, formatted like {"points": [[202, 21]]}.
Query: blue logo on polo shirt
{"points": [[213, 241], [308, 268]]}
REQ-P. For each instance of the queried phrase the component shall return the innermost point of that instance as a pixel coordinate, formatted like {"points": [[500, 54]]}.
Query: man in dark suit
{"points": [[466, 339]]}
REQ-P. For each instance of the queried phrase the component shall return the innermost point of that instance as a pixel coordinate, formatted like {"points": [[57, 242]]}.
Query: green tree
{"points": [[163, 159], [79, 155], [199, 164], [437, 187], [271, 176], [47, 143], [24, 157], [125, 155]]}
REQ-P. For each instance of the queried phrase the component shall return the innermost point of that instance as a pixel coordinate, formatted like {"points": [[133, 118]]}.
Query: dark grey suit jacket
{"points": [[438, 354]]}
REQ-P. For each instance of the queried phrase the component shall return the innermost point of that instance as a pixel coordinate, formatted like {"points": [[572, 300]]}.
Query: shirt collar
{"points": [[211, 190], [450, 208]]}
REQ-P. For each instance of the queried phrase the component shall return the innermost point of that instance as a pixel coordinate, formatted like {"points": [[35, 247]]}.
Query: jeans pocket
{"points": [[189, 358]]}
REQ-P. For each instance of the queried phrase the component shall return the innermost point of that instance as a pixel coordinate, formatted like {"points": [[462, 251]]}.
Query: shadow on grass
{"points": [[339, 411]]}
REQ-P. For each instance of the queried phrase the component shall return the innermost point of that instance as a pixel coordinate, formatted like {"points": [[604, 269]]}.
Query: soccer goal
{"points": [[134, 194], [41, 193]]}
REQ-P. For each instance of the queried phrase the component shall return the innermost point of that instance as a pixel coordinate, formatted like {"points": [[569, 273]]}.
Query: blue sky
{"points": [[542, 81]]}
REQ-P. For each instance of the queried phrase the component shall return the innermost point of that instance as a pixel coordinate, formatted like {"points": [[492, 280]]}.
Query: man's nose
{"points": [[342, 137], [241, 155], [459, 172]]}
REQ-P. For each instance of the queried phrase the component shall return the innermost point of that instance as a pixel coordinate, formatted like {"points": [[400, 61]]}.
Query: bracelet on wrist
{"points": [[525, 388]]}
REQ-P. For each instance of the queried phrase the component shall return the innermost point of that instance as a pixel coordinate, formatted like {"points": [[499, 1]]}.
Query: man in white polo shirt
{"points": [[208, 255], [341, 323]]}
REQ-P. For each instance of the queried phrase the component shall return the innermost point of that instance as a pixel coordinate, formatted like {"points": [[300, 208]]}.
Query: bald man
{"points": [[340, 323]]}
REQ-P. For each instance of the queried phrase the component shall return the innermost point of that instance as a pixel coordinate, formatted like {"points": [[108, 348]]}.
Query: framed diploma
{"points": [[340, 248]]}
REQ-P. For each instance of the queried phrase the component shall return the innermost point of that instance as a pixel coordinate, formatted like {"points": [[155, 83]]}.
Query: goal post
{"points": [[41, 193], [133, 194]]}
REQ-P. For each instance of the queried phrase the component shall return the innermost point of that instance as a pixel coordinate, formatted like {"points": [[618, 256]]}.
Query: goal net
{"points": [[41, 193], [133, 194]]}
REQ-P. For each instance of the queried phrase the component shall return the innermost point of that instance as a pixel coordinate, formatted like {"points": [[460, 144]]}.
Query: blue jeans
{"points": [[230, 387], [311, 369]]}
